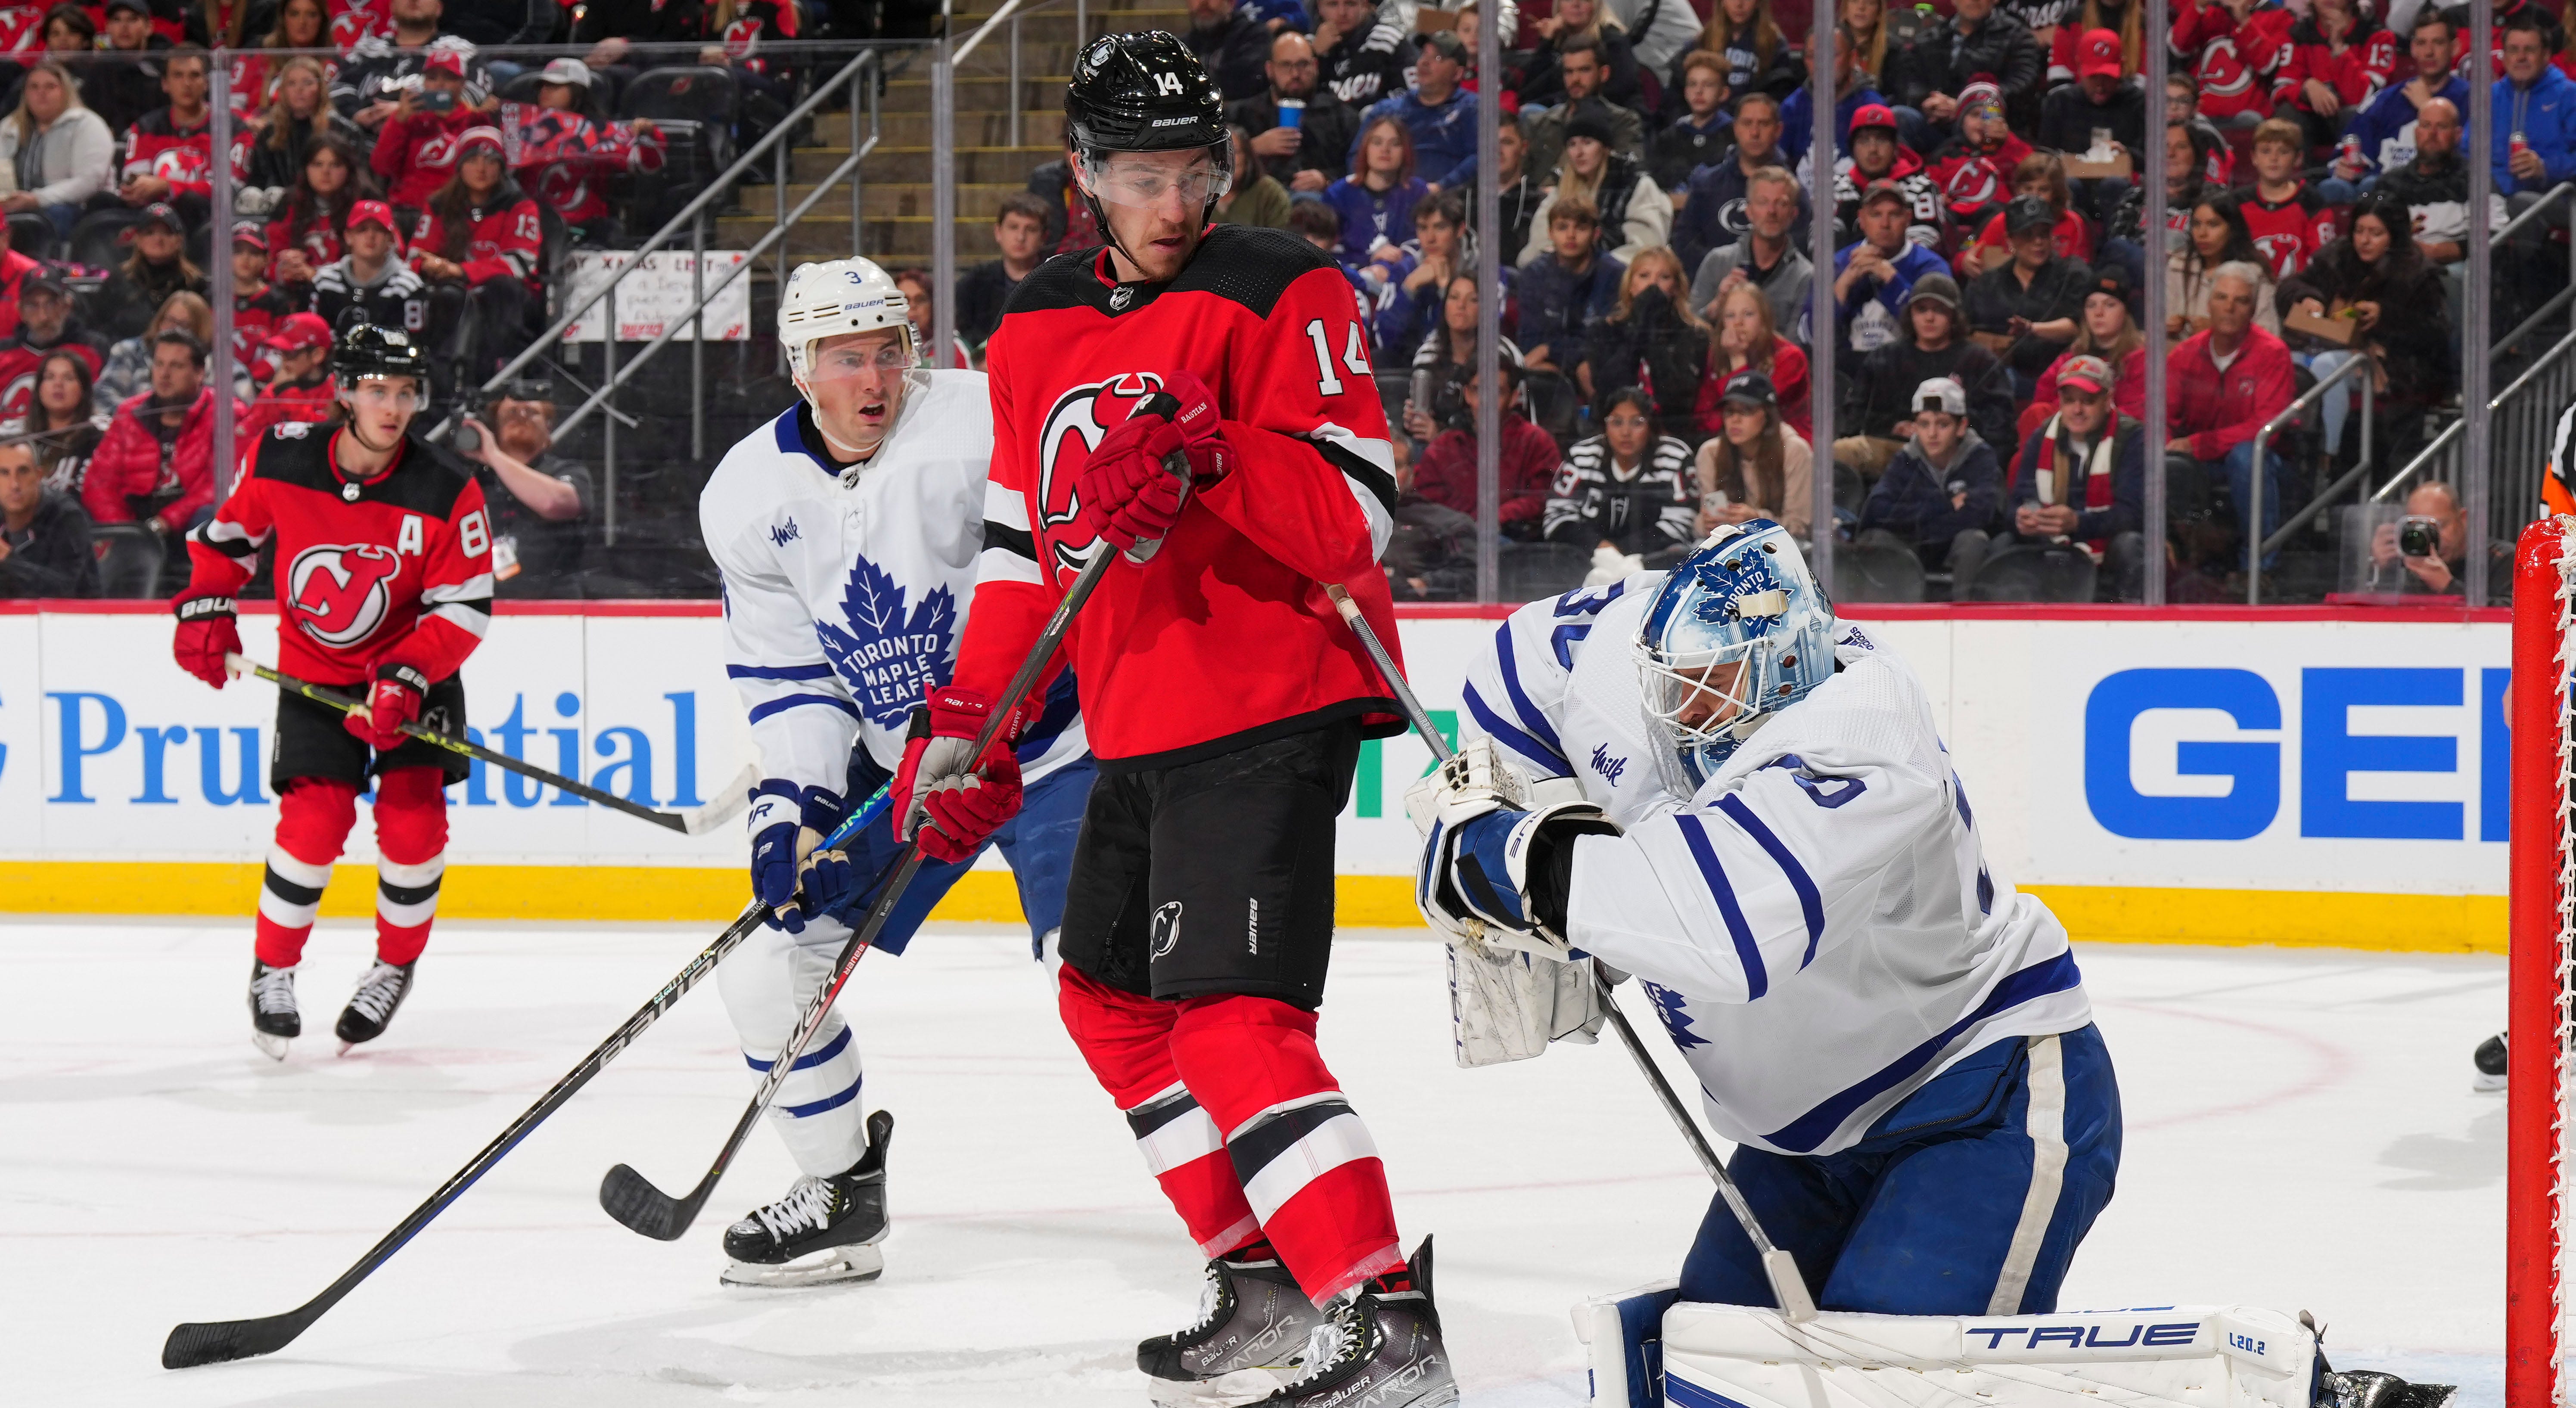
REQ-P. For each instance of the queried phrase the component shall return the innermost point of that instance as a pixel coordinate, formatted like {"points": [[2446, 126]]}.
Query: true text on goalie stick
{"points": [[216, 1342], [629, 1196], [1777, 1265], [730, 800]]}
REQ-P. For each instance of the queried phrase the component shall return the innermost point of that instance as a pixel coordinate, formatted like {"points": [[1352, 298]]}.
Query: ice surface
{"points": [[2301, 1134]]}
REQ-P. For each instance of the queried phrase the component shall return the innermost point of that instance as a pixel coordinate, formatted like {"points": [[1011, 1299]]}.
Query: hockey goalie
{"points": [[1703, 779]]}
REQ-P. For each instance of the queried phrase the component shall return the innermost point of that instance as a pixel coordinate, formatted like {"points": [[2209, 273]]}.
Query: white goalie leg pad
{"points": [[1506, 1005], [1623, 1340], [2208, 1356], [766, 984]]}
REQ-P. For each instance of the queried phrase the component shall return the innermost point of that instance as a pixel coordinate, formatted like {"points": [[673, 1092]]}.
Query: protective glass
{"points": [[857, 359], [1148, 181]]}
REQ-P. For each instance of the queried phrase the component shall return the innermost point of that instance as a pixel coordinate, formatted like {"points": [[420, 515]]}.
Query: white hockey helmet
{"points": [[834, 297]]}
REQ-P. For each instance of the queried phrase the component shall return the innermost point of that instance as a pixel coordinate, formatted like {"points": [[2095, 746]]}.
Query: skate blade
{"points": [[836, 1266], [272, 1047], [2488, 1085], [1224, 1391]]}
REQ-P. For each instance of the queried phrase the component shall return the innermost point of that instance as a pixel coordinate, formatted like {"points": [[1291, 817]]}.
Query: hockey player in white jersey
{"points": [[1770, 836], [848, 531]]}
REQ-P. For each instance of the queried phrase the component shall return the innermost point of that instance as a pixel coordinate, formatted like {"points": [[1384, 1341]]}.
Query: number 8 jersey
{"points": [[395, 569], [1225, 637]]}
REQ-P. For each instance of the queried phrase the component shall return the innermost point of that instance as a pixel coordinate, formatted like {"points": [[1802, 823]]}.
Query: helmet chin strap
{"points": [[837, 445], [351, 425]]}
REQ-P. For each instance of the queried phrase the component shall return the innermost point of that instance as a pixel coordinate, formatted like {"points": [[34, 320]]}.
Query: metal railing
{"points": [[2521, 419], [2257, 546], [776, 145]]}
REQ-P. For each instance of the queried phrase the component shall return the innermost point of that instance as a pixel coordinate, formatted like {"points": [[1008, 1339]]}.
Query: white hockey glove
{"points": [[1499, 875], [1508, 1006]]}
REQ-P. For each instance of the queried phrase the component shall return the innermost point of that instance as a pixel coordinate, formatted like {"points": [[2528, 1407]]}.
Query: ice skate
{"points": [[1381, 1347], [274, 1018], [371, 1008], [2369, 1388], [1252, 1327], [2490, 1059], [824, 1232]]}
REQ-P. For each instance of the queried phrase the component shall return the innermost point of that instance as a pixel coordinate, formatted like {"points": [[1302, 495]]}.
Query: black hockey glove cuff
{"points": [[408, 676]]}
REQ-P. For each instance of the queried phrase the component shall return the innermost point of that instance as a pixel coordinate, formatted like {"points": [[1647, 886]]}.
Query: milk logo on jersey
{"points": [[342, 591], [887, 657], [1609, 767], [1084, 414]]}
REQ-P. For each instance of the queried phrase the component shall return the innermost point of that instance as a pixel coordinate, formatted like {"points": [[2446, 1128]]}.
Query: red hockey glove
{"points": [[394, 701], [1126, 495], [939, 784], [1211, 457], [206, 635]]}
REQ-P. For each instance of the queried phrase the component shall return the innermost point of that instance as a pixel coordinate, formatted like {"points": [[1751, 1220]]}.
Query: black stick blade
{"points": [[632, 1199], [221, 1341]]}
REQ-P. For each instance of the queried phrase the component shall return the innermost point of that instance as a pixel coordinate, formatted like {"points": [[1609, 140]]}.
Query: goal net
{"points": [[2543, 943]]}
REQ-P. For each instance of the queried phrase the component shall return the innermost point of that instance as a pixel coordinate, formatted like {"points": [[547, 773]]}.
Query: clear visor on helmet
{"points": [[400, 394], [1189, 178], [1700, 698], [856, 357]]}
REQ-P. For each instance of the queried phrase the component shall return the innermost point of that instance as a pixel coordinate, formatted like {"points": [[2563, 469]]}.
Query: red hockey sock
{"points": [[411, 846], [313, 819], [1303, 1159], [1127, 1041]]}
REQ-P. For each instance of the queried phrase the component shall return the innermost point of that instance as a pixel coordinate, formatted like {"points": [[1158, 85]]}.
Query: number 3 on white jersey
{"points": [[1354, 355]]}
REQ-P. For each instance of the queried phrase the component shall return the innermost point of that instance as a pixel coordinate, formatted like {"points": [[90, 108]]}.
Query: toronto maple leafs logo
{"points": [[1677, 1017], [888, 658]]}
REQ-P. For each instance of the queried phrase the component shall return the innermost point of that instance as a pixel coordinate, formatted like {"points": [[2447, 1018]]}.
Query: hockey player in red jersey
{"points": [[384, 585], [1226, 706]]}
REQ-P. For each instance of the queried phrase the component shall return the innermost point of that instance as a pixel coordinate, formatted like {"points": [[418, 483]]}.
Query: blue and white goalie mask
{"points": [[1737, 631]]}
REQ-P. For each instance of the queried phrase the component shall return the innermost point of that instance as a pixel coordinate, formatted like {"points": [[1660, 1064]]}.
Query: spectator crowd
{"points": [[1987, 356]]}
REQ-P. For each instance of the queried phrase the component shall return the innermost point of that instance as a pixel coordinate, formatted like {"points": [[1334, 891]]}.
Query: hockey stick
{"points": [[728, 804], [632, 1198], [215, 1342], [1777, 1265]]}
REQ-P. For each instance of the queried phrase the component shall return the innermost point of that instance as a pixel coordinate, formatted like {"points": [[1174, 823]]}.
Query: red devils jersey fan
{"points": [[384, 582], [2235, 51], [1226, 706]]}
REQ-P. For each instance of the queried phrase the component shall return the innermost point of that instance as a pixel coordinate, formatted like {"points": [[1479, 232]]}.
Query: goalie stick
{"points": [[215, 1342], [629, 1196], [728, 804], [1782, 1270]]}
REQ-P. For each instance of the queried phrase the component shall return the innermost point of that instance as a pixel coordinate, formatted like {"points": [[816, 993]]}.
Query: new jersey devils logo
{"points": [[340, 592], [1074, 428], [2223, 73]]}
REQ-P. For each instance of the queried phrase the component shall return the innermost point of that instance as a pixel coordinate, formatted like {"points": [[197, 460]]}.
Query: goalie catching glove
{"points": [[1497, 861]]}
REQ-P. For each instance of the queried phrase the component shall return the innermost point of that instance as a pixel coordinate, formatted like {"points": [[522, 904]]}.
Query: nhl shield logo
{"points": [[340, 592], [1120, 297]]}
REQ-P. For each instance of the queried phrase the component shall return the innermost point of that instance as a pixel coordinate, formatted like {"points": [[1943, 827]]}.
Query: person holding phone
{"points": [[416, 153]]}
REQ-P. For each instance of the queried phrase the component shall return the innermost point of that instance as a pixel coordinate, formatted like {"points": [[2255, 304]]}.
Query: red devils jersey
{"points": [[182, 156], [566, 159], [2233, 63], [2289, 234], [1225, 637], [502, 239], [414, 156], [21, 362], [353, 20], [401, 573], [2356, 74], [22, 32]]}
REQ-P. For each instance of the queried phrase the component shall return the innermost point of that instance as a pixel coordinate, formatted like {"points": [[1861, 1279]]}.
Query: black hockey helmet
{"points": [[1142, 93], [365, 349]]}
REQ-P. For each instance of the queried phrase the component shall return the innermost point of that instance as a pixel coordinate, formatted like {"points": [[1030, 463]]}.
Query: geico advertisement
{"points": [[2331, 755]]}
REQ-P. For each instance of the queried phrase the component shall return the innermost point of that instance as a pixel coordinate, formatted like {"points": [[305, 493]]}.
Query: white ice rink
{"points": [[2301, 1134]]}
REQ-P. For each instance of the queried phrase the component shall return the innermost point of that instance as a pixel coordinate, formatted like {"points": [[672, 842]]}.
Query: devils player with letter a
{"points": [[1225, 704], [384, 586]]}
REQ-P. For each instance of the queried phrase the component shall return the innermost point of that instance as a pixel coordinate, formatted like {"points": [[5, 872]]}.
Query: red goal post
{"points": [[2543, 941]]}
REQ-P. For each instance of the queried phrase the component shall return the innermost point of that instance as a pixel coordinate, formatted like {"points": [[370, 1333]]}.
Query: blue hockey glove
{"points": [[1501, 875], [786, 825]]}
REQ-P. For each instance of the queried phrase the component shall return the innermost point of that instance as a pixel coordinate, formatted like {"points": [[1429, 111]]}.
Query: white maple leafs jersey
{"points": [[1816, 925], [845, 590]]}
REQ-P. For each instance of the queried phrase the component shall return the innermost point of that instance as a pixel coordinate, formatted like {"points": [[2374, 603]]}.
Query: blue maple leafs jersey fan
{"points": [[845, 589]]}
